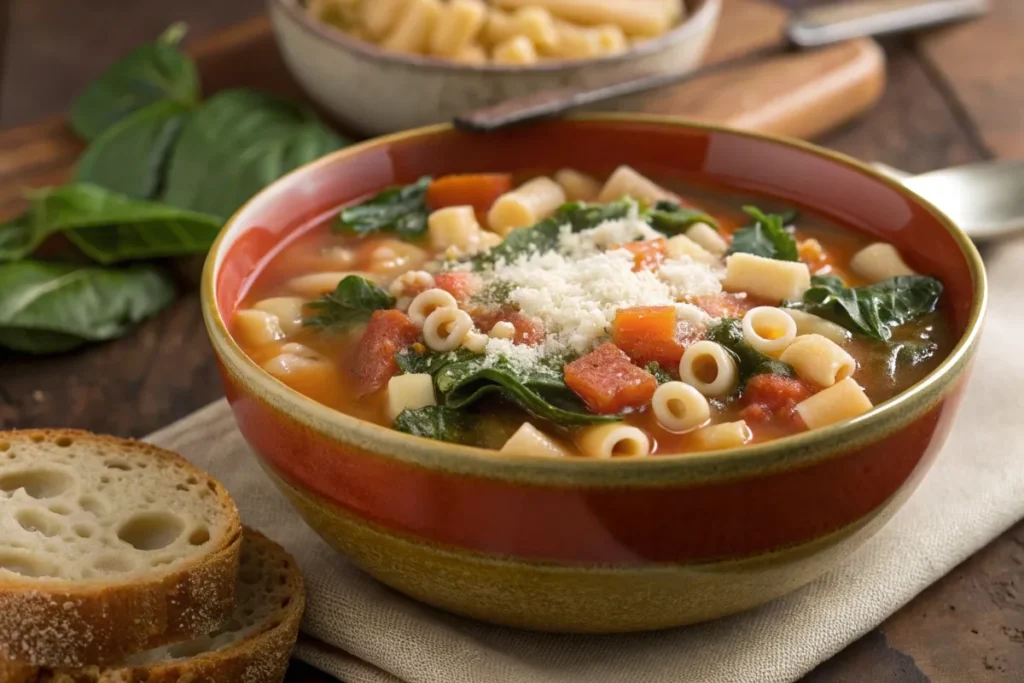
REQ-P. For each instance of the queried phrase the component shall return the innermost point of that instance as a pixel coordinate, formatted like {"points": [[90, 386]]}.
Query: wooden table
{"points": [[954, 96]]}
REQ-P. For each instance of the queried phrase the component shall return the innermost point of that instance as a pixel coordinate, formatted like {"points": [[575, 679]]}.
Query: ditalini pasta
{"points": [[573, 315], [516, 32]]}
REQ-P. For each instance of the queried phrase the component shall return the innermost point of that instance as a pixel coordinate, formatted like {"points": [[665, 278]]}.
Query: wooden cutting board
{"points": [[801, 95]]}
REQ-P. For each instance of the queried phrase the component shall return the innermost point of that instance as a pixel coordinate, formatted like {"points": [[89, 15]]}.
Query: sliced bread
{"points": [[254, 646], [108, 547]]}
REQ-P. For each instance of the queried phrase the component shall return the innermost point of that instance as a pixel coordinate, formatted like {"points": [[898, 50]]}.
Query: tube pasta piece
{"points": [[768, 329], [721, 436], [680, 246], [537, 24], [257, 327], [410, 392], [337, 258], [516, 50], [613, 441], [379, 16], [317, 284], [843, 400], [453, 226], [415, 24], [393, 256], [296, 359], [578, 187], [647, 18], [471, 54], [446, 328], [709, 238], [528, 440], [457, 26], [709, 368], [287, 309], [879, 261], [526, 205], [626, 181], [425, 303], [576, 42], [819, 359], [611, 39], [766, 278], [498, 27], [475, 342], [679, 407], [808, 323], [503, 330]]}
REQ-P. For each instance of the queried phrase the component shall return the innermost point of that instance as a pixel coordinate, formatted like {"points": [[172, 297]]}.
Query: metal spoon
{"points": [[986, 199]]}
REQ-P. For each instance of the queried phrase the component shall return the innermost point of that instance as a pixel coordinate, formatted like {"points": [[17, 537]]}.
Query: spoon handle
{"points": [[807, 30]]}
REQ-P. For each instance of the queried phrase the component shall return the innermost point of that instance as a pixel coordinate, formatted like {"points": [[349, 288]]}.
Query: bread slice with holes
{"points": [[108, 547], [253, 647]]}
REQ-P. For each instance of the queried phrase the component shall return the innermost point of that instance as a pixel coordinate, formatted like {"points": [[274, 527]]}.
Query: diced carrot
{"points": [[814, 255], [773, 397], [460, 285], [387, 333], [607, 382], [725, 305], [528, 330], [477, 190], [647, 254], [648, 333]]}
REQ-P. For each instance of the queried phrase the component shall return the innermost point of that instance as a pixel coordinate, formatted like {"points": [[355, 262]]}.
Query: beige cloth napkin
{"points": [[362, 632]]}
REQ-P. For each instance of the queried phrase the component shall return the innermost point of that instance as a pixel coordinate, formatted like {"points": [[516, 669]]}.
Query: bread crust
{"points": [[262, 657], [72, 623]]}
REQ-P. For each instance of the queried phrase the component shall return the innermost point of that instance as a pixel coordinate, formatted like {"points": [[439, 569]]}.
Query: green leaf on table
{"points": [[237, 143], [153, 72], [53, 307], [353, 301], [401, 209], [766, 236], [873, 310], [107, 226], [671, 219], [729, 333], [130, 157], [435, 422]]}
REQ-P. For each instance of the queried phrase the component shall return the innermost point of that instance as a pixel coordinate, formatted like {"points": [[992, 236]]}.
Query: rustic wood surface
{"points": [[953, 96]]}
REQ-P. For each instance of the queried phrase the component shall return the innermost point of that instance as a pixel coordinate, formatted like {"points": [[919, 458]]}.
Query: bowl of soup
{"points": [[605, 374]]}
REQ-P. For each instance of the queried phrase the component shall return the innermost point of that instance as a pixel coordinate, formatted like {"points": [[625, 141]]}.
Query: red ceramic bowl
{"points": [[588, 545]]}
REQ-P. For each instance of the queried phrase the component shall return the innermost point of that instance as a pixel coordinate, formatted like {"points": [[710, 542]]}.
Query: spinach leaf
{"points": [[766, 236], [544, 236], [236, 144], [430, 362], [751, 362], [873, 310], [130, 156], [107, 226], [402, 209], [435, 422], [672, 219], [51, 307], [353, 301], [660, 373], [153, 72]]}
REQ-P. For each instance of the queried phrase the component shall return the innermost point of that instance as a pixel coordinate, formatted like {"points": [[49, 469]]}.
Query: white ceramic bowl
{"points": [[375, 91]]}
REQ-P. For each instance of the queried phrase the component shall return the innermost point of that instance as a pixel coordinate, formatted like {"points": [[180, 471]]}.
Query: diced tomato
{"points": [[725, 305], [460, 285], [478, 190], [773, 397], [647, 254], [608, 382], [648, 333], [814, 255], [528, 330], [387, 333]]}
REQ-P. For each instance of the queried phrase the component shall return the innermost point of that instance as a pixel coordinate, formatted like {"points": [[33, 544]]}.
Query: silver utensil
{"points": [[807, 30], [986, 199]]}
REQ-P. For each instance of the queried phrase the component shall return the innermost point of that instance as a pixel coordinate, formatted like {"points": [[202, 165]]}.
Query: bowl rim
{"points": [[784, 453], [703, 18]]}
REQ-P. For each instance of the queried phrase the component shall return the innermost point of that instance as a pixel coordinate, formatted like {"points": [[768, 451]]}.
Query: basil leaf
{"points": [[544, 236], [435, 422], [130, 156], [873, 310], [766, 236], [236, 144], [402, 209], [660, 373], [50, 307], [107, 226], [153, 72], [751, 362], [672, 219], [353, 301]]}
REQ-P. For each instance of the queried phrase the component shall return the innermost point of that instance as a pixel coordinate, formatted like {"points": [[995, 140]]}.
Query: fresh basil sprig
{"points": [[401, 209], [670, 218], [353, 301], [766, 236]]}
